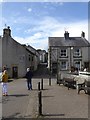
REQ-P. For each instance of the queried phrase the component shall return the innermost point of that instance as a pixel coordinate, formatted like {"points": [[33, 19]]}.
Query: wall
{"points": [[0, 54], [14, 55]]}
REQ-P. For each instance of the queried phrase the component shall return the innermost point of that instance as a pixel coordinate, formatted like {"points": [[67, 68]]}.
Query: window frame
{"points": [[78, 62], [64, 66], [63, 52], [77, 53]]}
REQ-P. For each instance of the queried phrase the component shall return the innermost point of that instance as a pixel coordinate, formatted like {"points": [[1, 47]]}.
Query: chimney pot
{"points": [[7, 31], [66, 35], [83, 34]]}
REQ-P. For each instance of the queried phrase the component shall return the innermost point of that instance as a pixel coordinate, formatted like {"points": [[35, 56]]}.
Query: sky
{"points": [[33, 22]]}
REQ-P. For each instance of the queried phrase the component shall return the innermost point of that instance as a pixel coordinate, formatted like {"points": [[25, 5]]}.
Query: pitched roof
{"points": [[31, 50], [72, 41]]}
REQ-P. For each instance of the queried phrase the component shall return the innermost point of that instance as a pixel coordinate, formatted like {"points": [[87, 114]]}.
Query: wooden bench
{"points": [[84, 86]]}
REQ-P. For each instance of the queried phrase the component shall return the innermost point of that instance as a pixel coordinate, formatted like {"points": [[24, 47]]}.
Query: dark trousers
{"points": [[29, 84]]}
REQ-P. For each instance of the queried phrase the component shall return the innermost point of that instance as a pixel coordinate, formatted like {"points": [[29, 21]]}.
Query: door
{"points": [[86, 64], [15, 72]]}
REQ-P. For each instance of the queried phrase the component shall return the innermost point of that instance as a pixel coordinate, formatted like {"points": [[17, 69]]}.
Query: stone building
{"points": [[14, 56], [67, 52], [43, 56]]}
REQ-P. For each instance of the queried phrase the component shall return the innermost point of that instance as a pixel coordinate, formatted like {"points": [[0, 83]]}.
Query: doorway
{"points": [[86, 64], [15, 72]]}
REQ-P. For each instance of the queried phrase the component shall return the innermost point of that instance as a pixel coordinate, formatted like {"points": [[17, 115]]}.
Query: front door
{"points": [[86, 64], [15, 72]]}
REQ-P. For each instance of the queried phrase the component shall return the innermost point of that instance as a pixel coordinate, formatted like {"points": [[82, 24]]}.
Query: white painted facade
{"points": [[15, 57]]}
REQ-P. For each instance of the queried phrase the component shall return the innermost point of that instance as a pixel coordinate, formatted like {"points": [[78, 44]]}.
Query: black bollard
{"points": [[40, 102], [42, 84], [49, 81], [39, 86]]}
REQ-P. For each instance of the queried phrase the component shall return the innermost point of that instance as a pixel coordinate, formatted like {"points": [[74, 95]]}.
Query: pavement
{"points": [[57, 101]]}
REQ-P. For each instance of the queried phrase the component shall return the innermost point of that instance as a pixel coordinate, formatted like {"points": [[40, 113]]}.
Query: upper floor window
{"points": [[77, 52], [63, 53], [29, 58], [32, 58]]}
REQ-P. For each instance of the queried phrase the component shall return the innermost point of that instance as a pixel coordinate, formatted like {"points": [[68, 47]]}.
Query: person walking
{"points": [[4, 83], [29, 79]]}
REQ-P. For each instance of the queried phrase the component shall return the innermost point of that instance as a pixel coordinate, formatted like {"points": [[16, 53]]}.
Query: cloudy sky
{"points": [[33, 22]]}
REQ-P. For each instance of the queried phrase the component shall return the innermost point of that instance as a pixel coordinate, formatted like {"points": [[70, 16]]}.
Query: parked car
{"points": [[85, 75]]}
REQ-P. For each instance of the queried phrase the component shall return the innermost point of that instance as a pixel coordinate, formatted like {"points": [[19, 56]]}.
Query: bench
{"points": [[69, 82], [60, 81], [84, 86]]}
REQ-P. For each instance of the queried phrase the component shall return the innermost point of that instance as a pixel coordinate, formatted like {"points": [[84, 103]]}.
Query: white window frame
{"points": [[77, 52], [63, 53], [79, 64], [63, 67]]}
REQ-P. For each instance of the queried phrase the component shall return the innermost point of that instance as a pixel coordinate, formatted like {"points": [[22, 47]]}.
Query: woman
{"points": [[4, 83]]}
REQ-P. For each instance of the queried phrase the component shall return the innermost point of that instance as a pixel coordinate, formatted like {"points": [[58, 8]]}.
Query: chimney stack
{"points": [[7, 31], [83, 34], [66, 35]]}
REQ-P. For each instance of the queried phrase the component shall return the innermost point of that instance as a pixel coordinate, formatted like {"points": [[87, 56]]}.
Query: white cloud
{"points": [[52, 28], [29, 9]]}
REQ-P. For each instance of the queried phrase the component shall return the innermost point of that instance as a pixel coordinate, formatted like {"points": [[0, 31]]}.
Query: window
{"points": [[77, 64], [77, 52], [29, 58], [63, 65], [32, 58], [63, 53]]}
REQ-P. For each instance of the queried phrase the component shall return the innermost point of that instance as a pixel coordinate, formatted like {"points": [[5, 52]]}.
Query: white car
{"points": [[85, 75]]}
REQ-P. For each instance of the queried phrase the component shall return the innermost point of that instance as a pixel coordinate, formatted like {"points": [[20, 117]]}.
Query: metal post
{"points": [[57, 66], [42, 84], [40, 102], [39, 86], [50, 81]]}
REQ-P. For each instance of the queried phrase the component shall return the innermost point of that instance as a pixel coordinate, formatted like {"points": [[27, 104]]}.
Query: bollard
{"points": [[39, 86], [40, 102], [42, 84], [49, 81]]}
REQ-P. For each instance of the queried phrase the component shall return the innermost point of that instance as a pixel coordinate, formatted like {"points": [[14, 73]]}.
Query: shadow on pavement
{"points": [[37, 89], [18, 95], [47, 96], [53, 114], [10, 80]]}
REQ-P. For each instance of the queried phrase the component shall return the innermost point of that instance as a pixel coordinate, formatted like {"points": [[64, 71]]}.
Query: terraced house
{"points": [[16, 57], [66, 52]]}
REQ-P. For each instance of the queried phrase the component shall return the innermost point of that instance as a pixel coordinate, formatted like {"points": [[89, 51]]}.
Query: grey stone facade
{"points": [[66, 52]]}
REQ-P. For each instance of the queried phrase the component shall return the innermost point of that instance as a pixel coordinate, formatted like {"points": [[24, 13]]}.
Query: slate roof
{"points": [[72, 41]]}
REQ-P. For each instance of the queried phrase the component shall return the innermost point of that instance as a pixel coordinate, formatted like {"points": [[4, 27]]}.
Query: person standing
{"points": [[29, 79], [4, 83]]}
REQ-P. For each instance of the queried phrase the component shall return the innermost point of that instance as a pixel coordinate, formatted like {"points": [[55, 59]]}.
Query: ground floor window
{"points": [[63, 65], [14, 72], [77, 64]]}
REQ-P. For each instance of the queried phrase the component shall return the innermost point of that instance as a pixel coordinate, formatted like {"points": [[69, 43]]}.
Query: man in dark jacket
{"points": [[29, 79]]}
